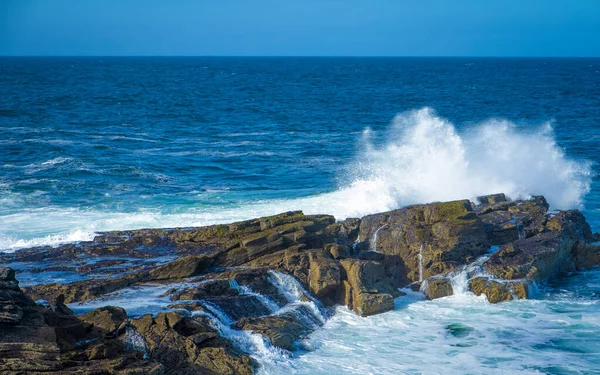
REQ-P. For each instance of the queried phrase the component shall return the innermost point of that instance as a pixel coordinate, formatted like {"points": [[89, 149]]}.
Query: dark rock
{"points": [[282, 330], [536, 258], [183, 267], [187, 347], [237, 307], [509, 221], [370, 255]]}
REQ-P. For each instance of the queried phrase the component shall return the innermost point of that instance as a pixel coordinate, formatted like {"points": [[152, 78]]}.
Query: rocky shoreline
{"points": [[269, 281]]}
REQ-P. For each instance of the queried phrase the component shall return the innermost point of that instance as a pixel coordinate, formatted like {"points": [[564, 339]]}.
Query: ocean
{"points": [[91, 144]]}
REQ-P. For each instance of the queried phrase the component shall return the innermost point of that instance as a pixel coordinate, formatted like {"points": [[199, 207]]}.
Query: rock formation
{"points": [[277, 277]]}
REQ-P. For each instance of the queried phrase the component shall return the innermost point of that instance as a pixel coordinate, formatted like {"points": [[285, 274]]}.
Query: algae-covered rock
{"points": [[437, 287], [498, 291], [446, 234], [366, 288], [108, 319]]}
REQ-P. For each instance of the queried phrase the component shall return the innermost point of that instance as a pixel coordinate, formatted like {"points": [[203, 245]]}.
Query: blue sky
{"points": [[301, 27]]}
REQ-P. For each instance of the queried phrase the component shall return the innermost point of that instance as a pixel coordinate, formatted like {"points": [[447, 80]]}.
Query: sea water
{"points": [[93, 144]]}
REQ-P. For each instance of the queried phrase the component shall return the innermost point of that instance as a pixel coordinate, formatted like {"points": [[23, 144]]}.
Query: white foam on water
{"points": [[136, 300], [555, 336], [254, 344], [296, 295], [424, 159], [270, 304]]}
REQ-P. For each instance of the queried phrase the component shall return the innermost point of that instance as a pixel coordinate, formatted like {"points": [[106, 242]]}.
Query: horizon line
{"points": [[315, 56]]}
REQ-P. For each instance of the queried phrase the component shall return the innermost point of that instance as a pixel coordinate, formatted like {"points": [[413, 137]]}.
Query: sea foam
{"points": [[423, 158]]}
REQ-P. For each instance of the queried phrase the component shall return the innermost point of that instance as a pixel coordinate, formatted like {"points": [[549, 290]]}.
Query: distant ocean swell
{"points": [[423, 159]]}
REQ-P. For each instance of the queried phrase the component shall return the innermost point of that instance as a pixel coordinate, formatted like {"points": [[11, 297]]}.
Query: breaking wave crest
{"points": [[423, 158]]}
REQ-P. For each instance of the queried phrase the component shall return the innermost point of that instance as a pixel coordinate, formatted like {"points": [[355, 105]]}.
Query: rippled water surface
{"points": [[92, 144]]}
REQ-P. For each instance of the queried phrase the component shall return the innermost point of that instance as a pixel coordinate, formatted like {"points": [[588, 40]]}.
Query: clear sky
{"points": [[301, 27]]}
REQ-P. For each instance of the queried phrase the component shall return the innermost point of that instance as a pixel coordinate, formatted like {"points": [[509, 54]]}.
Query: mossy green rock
{"points": [[447, 235], [498, 291], [437, 287]]}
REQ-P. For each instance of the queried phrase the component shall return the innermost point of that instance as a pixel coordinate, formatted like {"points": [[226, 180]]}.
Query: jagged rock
{"points": [[437, 287], [183, 267], [275, 233], [366, 289], [544, 255], [106, 319], [572, 223], [498, 291], [508, 221], [536, 258], [181, 344], [449, 233]]}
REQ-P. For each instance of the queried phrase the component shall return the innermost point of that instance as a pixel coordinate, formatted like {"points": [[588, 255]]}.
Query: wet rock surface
{"points": [[444, 235], [221, 287]]}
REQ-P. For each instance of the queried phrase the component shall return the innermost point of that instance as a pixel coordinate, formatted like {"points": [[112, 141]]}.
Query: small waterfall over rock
{"points": [[460, 278], [233, 284], [253, 344], [272, 306], [421, 264], [296, 295], [375, 236]]}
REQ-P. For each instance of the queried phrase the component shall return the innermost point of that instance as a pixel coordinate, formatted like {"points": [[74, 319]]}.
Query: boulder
{"points": [[107, 320], [366, 289], [446, 234], [437, 287], [498, 291]]}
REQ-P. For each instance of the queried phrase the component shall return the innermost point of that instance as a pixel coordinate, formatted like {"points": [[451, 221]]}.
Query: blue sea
{"points": [[101, 143]]}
